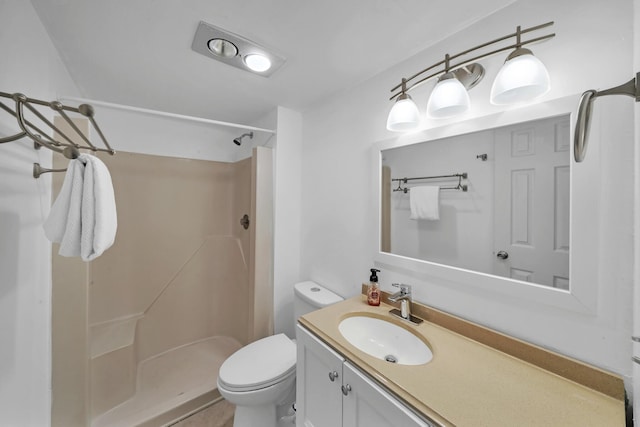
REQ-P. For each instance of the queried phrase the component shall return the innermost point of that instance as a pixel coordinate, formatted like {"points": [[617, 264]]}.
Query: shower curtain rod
{"points": [[165, 114]]}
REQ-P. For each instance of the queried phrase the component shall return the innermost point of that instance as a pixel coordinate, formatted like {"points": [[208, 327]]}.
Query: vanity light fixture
{"points": [[449, 97], [404, 115], [235, 50], [522, 78]]}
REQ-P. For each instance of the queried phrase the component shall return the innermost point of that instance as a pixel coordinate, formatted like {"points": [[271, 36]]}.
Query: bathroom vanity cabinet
{"points": [[332, 392], [476, 377]]}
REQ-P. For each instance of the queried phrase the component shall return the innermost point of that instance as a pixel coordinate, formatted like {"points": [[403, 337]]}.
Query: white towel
{"points": [[425, 202], [99, 218], [83, 218], [63, 224]]}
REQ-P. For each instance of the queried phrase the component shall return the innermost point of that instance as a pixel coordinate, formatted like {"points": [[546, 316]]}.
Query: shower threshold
{"points": [[172, 385]]}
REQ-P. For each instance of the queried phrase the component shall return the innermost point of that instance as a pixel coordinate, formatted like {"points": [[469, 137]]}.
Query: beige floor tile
{"points": [[218, 415]]}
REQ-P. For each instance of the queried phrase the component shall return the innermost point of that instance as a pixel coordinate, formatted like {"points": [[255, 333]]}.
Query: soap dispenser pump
{"points": [[373, 291]]}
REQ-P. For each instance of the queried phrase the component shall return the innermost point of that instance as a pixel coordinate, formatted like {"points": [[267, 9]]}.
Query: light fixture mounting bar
{"points": [[519, 43], [470, 60], [518, 33]]}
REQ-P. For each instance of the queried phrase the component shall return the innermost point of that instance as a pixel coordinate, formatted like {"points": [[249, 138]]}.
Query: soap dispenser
{"points": [[373, 290]]}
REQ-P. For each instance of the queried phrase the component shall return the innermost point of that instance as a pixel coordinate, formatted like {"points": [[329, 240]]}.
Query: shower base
{"points": [[172, 385]]}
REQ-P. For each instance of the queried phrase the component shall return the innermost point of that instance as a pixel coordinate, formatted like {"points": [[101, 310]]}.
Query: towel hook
{"points": [[630, 88], [39, 170]]}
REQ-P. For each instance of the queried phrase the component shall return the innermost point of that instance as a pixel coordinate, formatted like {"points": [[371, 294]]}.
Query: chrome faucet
{"points": [[404, 296]]}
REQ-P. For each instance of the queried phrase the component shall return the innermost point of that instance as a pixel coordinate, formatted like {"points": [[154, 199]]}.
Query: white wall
{"points": [[593, 49], [286, 145], [31, 65], [288, 217]]}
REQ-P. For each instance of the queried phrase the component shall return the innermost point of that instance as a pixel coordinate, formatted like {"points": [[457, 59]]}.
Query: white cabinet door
{"points": [[319, 378], [367, 405]]}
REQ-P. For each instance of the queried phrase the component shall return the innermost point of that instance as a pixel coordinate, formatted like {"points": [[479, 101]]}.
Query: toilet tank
{"points": [[309, 296]]}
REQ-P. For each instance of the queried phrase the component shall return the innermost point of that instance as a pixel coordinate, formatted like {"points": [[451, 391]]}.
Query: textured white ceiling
{"points": [[138, 52]]}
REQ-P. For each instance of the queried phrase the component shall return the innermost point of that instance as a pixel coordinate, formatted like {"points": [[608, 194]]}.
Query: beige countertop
{"points": [[469, 383]]}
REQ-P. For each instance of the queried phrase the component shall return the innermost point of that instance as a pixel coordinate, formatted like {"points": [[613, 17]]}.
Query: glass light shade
{"points": [[404, 115], [522, 78], [449, 98], [257, 62]]}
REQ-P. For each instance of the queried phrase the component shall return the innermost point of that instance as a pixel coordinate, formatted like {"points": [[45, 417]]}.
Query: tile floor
{"points": [[218, 415]]}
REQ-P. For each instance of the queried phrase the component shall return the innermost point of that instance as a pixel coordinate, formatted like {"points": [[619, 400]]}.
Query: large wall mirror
{"points": [[495, 201], [512, 233]]}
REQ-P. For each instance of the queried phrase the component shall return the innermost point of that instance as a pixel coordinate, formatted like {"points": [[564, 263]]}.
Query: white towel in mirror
{"points": [[425, 202]]}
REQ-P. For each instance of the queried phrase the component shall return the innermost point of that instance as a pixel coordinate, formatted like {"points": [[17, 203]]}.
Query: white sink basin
{"points": [[385, 340]]}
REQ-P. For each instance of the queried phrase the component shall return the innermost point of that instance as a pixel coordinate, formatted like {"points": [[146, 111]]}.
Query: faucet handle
{"points": [[405, 289]]}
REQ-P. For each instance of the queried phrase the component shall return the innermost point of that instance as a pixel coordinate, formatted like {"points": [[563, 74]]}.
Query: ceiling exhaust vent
{"points": [[234, 50]]}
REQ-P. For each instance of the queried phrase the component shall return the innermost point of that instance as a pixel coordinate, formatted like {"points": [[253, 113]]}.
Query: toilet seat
{"points": [[260, 364]]}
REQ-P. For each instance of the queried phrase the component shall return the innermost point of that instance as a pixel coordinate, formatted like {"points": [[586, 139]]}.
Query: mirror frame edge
{"points": [[581, 299]]}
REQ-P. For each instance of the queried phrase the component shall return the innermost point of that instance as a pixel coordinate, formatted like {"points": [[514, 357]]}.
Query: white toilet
{"points": [[260, 378]]}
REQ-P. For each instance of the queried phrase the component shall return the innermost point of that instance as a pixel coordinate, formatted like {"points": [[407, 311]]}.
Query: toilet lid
{"points": [[260, 364]]}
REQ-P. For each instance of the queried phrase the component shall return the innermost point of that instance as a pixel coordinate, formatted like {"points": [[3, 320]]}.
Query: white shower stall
{"points": [[140, 332]]}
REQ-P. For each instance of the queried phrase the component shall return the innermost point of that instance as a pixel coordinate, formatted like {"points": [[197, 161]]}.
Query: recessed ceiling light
{"points": [[222, 47], [257, 62]]}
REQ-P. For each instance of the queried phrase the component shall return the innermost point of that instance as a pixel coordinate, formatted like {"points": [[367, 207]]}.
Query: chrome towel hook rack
{"points": [[67, 148], [460, 186], [581, 134]]}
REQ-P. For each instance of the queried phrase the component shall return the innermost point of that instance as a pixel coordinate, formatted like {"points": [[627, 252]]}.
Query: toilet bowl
{"points": [[260, 378]]}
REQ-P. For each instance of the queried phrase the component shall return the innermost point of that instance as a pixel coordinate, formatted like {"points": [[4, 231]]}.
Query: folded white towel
{"points": [[99, 218], [63, 224], [83, 218], [425, 202]]}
